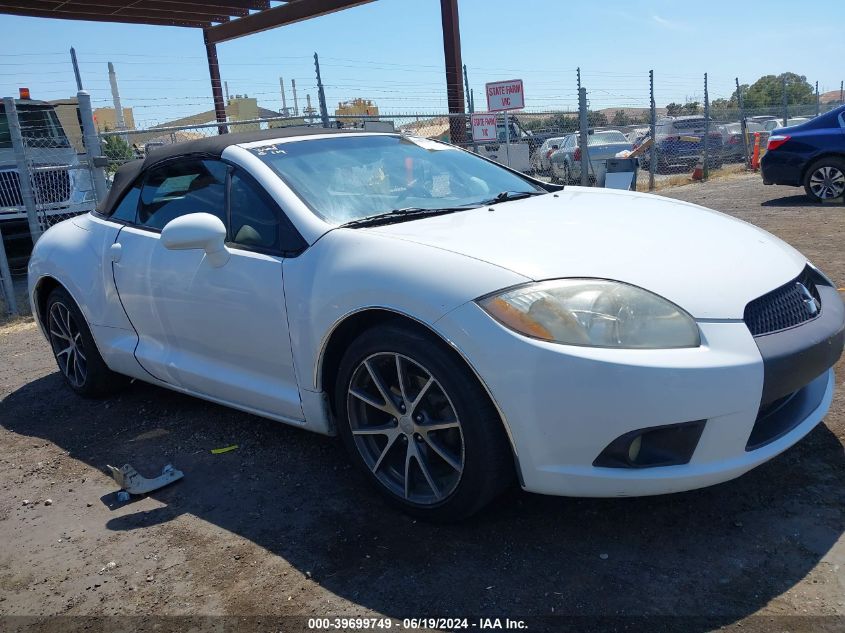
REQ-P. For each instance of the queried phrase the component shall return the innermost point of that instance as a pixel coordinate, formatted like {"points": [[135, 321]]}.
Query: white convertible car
{"points": [[458, 324]]}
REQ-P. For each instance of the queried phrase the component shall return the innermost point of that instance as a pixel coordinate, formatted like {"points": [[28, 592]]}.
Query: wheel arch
{"points": [[40, 291], [825, 154], [344, 331]]}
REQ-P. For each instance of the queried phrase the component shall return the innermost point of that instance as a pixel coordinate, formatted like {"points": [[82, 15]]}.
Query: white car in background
{"points": [[540, 161], [459, 325]]}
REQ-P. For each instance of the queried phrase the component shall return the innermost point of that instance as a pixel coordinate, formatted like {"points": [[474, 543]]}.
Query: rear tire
{"points": [[431, 442], [76, 354], [825, 179]]}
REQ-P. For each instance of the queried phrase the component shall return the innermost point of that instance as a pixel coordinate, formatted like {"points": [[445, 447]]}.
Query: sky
{"points": [[391, 51]]}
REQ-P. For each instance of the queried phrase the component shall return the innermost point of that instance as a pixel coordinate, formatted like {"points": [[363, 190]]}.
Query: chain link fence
{"points": [[42, 181], [719, 128], [674, 143]]}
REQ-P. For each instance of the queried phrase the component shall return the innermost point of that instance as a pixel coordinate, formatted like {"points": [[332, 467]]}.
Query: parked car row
{"points": [[679, 143]]}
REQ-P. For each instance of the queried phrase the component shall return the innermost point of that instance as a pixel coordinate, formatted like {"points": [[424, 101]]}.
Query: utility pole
{"points": [[652, 129], [295, 102], [75, 68], [743, 124], [785, 101], [842, 93], [469, 105], [818, 103], [226, 90], [472, 99], [284, 99], [321, 95], [466, 87], [578, 75], [584, 138], [115, 96], [706, 165]]}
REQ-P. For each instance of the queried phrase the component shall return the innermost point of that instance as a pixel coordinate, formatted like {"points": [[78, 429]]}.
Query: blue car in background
{"points": [[811, 155]]}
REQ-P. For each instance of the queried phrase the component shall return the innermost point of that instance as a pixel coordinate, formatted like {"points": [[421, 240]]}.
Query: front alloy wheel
{"points": [[419, 425], [405, 428]]}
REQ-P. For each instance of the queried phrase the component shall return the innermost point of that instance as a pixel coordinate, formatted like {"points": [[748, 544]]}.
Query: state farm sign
{"points": [[483, 127], [505, 95]]}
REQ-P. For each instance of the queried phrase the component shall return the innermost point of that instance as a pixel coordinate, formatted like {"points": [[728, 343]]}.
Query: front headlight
{"points": [[594, 313]]}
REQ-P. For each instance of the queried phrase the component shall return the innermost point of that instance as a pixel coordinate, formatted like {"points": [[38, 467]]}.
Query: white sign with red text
{"points": [[505, 95], [484, 127]]}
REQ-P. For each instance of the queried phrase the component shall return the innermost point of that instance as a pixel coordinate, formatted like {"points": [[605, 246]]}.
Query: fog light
{"points": [[669, 445]]}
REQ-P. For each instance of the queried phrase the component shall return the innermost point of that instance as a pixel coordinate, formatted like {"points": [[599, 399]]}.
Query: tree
{"points": [[621, 118], [118, 151], [674, 109], [596, 119], [767, 91], [692, 107]]}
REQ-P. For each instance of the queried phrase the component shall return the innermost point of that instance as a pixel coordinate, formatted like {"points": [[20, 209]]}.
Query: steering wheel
{"points": [[413, 187]]}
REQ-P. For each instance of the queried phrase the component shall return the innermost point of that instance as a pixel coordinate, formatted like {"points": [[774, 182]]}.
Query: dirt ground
{"points": [[283, 527]]}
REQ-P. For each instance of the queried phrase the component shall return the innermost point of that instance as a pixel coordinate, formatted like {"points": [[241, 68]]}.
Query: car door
{"points": [[220, 332]]}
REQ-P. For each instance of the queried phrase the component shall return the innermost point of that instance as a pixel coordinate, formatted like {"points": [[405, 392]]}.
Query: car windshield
{"points": [[690, 124], [346, 178], [603, 138], [39, 125]]}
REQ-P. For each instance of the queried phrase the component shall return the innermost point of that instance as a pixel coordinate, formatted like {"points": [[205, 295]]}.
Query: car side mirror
{"points": [[197, 231]]}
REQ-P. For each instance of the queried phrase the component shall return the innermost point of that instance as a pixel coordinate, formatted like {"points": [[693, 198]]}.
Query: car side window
{"points": [[255, 220], [180, 188], [127, 210]]}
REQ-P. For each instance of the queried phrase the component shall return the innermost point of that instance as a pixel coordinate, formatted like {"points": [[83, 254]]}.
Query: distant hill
{"points": [[834, 96]]}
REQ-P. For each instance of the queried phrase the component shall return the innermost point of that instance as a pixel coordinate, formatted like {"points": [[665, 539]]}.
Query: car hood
{"points": [[708, 263]]}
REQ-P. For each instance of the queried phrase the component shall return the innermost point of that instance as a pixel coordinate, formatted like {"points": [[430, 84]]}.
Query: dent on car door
{"points": [[216, 331]]}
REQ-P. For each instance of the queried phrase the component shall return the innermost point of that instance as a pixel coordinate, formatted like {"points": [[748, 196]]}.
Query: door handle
{"points": [[116, 250]]}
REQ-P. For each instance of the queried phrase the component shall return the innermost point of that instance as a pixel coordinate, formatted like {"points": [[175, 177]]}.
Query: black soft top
{"points": [[211, 147]]}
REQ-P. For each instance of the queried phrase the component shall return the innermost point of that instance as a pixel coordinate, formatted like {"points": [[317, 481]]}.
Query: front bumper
{"points": [[563, 405]]}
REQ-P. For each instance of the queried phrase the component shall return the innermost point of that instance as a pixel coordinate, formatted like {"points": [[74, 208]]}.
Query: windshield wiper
{"points": [[506, 196], [400, 215]]}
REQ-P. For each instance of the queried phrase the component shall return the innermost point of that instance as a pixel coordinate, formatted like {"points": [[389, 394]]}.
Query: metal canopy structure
{"points": [[223, 20]]}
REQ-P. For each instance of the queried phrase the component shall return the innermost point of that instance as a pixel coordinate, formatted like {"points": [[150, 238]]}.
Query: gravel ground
{"points": [[282, 526]]}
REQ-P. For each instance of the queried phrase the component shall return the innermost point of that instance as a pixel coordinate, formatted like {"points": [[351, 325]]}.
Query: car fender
{"points": [[72, 253], [350, 270], [825, 153]]}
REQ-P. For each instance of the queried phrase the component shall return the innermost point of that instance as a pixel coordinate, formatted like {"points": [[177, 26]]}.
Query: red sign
{"points": [[484, 127], [505, 95]]}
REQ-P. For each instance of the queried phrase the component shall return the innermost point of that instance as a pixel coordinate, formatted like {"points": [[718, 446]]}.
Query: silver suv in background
{"points": [[602, 144], [59, 185]]}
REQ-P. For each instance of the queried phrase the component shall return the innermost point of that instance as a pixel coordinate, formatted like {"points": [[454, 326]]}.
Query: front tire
{"points": [[419, 425], [825, 179], [76, 354]]}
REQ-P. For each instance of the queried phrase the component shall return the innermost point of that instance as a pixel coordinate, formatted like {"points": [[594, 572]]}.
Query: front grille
{"points": [[792, 304], [51, 185], [10, 189]]}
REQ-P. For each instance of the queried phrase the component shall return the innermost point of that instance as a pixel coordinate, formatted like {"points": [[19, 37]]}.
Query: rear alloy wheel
{"points": [[81, 365], [825, 179], [419, 425], [68, 347]]}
